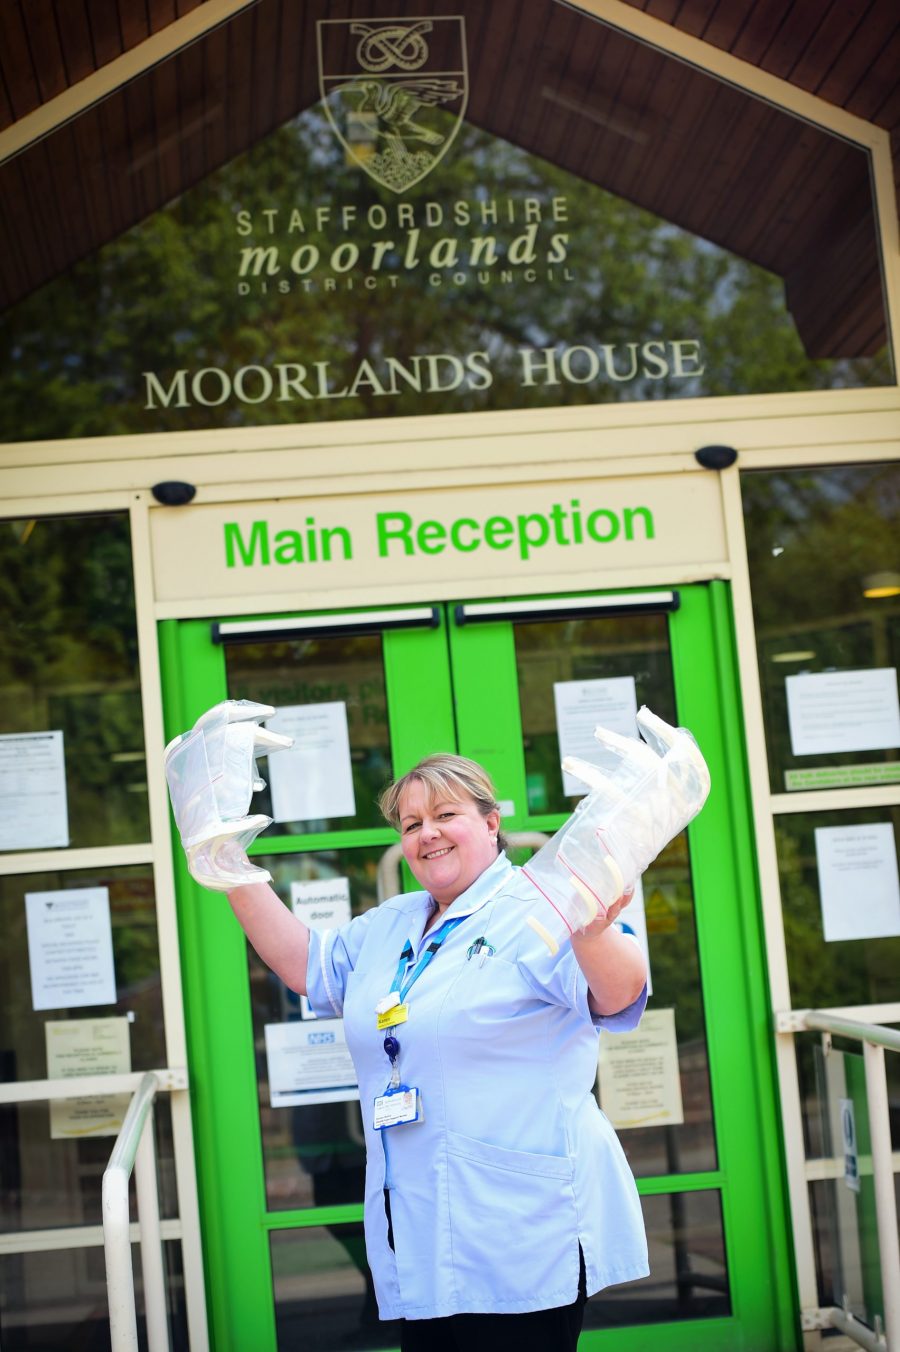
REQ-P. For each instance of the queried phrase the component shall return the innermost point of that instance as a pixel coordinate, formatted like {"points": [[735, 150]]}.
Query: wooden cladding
{"points": [[692, 150]]}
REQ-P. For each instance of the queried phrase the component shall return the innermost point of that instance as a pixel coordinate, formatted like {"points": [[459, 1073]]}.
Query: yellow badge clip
{"points": [[387, 1019]]}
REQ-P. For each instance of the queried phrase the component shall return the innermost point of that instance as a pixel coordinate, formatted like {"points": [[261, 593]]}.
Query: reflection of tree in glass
{"points": [[164, 297], [814, 536], [834, 974], [68, 661]]}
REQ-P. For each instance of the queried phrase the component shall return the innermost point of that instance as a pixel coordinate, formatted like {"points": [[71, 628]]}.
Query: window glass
{"points": [[688, 1272], [628, 647], [838, 873], [69, 666], [344, 677], [825, 577], [563, 215], [841, 1189], [314, 1154], [627, 658], [324, 1295], [56, 1300], [57, 1160]]}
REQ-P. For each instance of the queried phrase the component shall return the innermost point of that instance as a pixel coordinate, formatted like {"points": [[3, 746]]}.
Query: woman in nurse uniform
{"points": [[497, 1195]]}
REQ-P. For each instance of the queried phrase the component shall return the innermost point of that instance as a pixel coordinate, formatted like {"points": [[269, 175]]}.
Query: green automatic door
{"points": [[280, 1174]]}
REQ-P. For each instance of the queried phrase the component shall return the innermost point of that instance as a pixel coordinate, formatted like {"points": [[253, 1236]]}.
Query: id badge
{"points": [[390, 1017], [397, 1107]]}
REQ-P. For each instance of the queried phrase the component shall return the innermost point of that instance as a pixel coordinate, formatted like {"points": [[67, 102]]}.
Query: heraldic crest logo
{"points": [[394, 91]]}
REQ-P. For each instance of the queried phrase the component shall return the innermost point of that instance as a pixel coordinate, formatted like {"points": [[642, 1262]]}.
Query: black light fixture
{"points": [[716, 457], [173, 493]]}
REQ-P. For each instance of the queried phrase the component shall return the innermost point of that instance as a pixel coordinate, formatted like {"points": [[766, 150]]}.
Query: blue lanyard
{"points": [[406, 979]]}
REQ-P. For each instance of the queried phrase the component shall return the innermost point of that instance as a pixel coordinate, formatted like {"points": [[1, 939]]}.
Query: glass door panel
{"points": [[344, 672], [572, 673], [514, 673], [313, 1153], [599, 649]]}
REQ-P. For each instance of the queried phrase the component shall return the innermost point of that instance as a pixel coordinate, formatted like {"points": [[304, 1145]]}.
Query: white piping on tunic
{"points": [[329, 989]]}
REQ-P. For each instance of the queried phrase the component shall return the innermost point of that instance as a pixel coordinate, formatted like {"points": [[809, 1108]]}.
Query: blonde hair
{"points": [[444, 776]]}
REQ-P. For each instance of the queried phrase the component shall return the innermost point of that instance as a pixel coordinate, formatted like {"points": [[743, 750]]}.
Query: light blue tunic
{"points": [[514, 1164]]}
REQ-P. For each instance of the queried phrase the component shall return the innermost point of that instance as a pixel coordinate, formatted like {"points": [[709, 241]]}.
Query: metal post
{"points": [[152, 1266], [885, 1198], [117, 1223], [119, 1274]]}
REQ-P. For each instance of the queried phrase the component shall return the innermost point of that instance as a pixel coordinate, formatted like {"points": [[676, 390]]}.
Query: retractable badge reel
{"points": [[400, 1103]]}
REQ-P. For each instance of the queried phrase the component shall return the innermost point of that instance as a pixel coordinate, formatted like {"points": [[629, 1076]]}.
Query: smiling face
{"points": [[446, 842]]}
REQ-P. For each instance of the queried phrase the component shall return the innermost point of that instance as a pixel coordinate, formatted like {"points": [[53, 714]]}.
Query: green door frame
{"points": [[458, 682]]}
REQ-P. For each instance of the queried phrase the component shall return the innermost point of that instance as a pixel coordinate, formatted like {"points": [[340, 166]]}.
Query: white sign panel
{"points": [[322, 904], [87, 1047], [308, 1062], [314, 779], [34, 813], [858, 881], [640, 1084], [580, 707], [834, 711], [393, 544], [70, 950]]}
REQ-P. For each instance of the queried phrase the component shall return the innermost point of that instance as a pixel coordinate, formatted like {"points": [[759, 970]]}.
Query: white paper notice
{"points": [[314, 779], [70, 949], [308, 1062], [834, 711], [640, 1085], [87, 1047], [321, 905], [34, 812], [580, 707], [858, 882]]}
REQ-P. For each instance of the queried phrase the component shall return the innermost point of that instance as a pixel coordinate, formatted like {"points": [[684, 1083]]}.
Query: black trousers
{"points": [[555, 1330]]}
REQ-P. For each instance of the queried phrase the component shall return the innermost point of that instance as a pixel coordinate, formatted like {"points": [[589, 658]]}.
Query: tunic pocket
{"points": [[513, 1225], [517, 1161]]}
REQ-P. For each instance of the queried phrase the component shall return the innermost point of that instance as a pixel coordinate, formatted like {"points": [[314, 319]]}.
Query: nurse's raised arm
{"points": [[613, 963], [280, 939]]}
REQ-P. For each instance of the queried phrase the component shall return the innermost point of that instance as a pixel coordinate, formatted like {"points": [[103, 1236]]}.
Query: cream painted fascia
{"points": [[677, 416], [447, 450]]}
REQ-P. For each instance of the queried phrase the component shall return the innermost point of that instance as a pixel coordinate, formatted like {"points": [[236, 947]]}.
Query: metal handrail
{"points": [[134, 1149], [875, 1040], [875, 1033]]}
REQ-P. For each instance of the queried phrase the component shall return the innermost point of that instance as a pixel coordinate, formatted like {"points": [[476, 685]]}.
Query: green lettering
{"points": [[558, 516], [593, 528], [343, 535], [387, 531], [431, 537], [526, 539], [288, 547], [457, 541], [498, 532], [647, 516], [258, 543]]}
